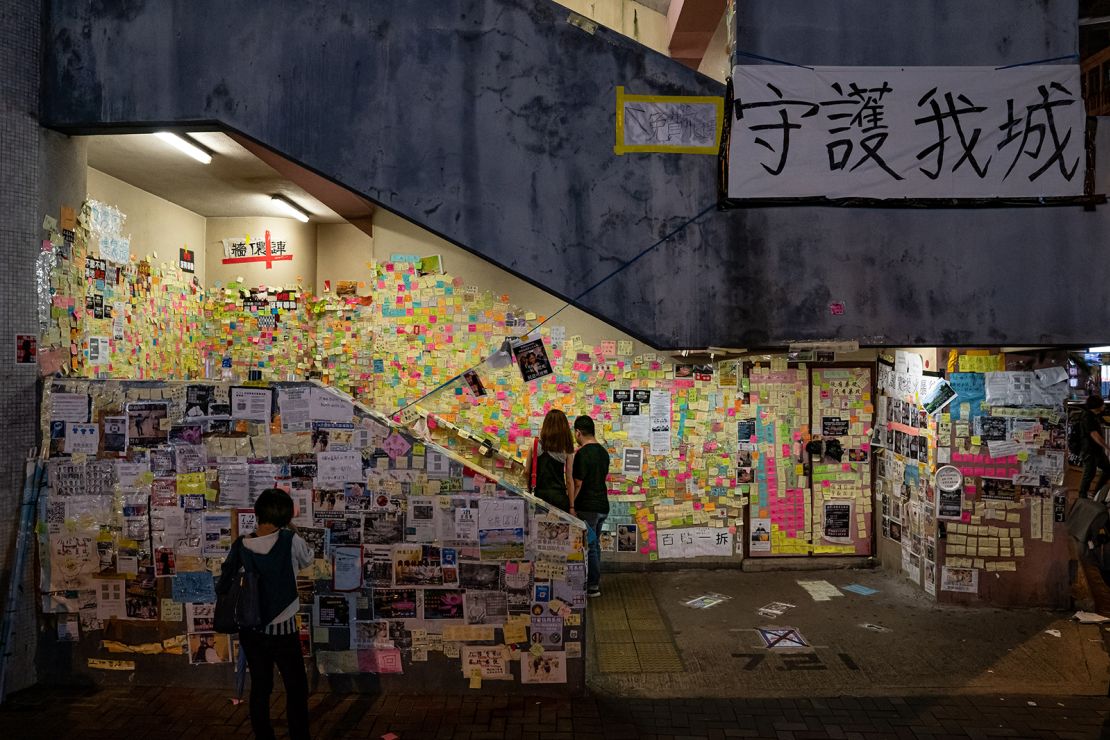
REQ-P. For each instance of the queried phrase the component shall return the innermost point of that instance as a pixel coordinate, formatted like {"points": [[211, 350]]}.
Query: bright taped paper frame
{"points": [[622, 147]]}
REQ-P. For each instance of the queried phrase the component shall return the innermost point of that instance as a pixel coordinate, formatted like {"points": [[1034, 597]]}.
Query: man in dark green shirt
{"points": [[1095, 446], [590, 501]]}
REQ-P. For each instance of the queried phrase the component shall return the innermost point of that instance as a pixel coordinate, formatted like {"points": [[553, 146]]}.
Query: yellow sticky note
{"points": [[476, 678], [515, 632], [976, 439]]}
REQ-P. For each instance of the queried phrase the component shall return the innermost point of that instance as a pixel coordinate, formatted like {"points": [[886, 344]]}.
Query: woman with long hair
{"points": [[550, 461]]}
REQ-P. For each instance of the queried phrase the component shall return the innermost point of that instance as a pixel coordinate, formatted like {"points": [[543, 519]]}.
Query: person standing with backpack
{"points": [[550, 461], [1095, 447], [277, 554]]}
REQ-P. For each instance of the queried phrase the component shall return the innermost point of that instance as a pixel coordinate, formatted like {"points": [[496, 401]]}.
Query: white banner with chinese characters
{"points": [[906, 132]]}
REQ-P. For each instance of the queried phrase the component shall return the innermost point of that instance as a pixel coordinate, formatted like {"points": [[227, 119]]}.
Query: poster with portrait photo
{"points": [[486, 607], [531, 358], [759, 539], [209, 648], [146, 423], [474, 383], [626, 537]]}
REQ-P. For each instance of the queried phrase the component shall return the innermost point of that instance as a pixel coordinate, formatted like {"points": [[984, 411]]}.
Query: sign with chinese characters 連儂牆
{"points": [[906, 132]]}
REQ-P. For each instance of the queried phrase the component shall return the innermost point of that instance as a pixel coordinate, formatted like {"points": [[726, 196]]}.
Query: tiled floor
{"points": [[180, 714], [629, 630]]}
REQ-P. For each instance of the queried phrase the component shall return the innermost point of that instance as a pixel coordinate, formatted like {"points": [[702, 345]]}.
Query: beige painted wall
{"points": [[627, 17], [715, 64], [301, 243], [157, 226], [394, 235], [343, 252]]}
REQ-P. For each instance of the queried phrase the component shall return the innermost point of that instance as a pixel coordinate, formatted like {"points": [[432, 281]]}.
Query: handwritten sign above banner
{"points": [[681, 124], [906, 132]]}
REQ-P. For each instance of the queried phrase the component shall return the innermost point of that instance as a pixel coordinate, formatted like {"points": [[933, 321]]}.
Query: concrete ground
{"points": [[660, 670], [645, 642]]}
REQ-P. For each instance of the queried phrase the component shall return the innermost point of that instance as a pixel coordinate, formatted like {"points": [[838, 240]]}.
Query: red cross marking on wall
{"points": [[269, 258]]}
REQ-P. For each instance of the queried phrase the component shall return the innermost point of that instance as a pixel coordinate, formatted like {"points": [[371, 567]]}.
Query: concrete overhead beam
{"points": [[691, 24]]}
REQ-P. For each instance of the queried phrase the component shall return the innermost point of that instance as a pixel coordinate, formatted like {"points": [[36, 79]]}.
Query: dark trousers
{"points": [[263, 653], [593, 550], [1094, 460]]}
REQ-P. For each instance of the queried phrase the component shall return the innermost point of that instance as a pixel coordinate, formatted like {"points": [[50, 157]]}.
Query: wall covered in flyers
{"points": [[423, 560], [968, 488]]}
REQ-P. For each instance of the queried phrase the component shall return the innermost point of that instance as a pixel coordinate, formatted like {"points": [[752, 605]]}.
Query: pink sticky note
{"points": [[510, 567], [824, 484], [965, 517], [797, 436]]}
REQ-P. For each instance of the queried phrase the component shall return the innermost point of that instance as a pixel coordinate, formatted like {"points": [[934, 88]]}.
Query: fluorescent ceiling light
{"points": [[290, 208], [185, 145], [1099, 350]]}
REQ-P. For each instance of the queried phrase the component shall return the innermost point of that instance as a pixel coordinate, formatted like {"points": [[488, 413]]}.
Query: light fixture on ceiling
{"points": [[185, 144], [1098, 350], [290, 208]]}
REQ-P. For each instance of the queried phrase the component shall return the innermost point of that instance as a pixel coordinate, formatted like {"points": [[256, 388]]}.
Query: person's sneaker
{"points": [[593, 591]]}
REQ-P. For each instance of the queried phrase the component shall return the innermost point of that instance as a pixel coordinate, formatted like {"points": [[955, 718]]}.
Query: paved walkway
{"points": [[895, 641], [931, 672], [178, 714]]}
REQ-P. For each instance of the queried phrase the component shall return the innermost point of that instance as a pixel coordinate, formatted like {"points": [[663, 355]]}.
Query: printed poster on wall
{"points": [[960, 580], [837, 523], [531, 358], [906, 132], [759, 539], [949, 503], [660, 422]]}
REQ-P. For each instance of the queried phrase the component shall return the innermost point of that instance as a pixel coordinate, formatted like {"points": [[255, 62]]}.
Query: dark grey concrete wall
{"points": [[490, 122]]}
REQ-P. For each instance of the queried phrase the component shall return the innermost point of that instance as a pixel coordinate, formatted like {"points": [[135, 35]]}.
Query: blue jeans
{"points": [[593, 550]]}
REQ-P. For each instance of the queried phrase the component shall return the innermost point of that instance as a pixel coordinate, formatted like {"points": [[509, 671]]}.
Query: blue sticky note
{"points": [[194, 588], [860, 589]]}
